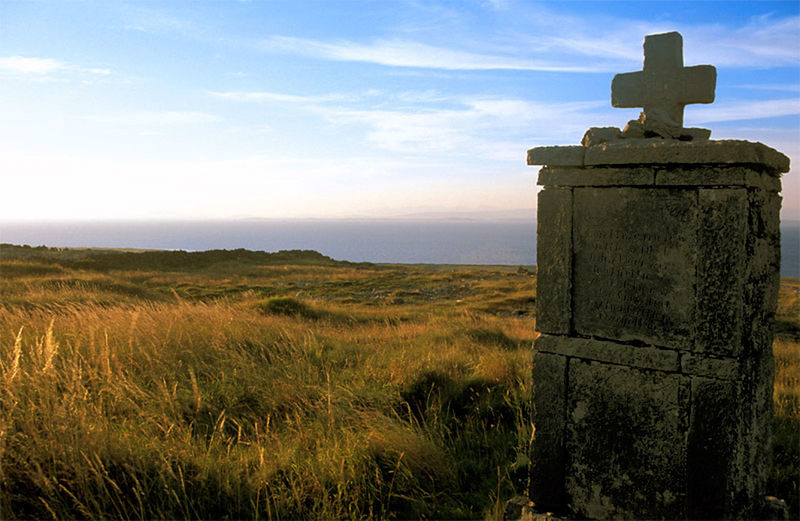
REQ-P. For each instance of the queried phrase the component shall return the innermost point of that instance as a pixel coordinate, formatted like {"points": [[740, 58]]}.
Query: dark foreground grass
{"points": [[250, 390]]}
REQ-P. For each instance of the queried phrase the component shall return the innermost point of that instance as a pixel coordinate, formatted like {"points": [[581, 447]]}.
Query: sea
{"points": [[504, 242]]}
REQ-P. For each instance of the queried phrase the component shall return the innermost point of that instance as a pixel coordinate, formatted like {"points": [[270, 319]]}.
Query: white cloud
{"points": [[429, 122], [763, 42], [26, 65], [786, 87], [544, 40], [151, 20], [155, 118], [743, 110], [261, 96], [405, 53], [478, 127], [45, 67]]}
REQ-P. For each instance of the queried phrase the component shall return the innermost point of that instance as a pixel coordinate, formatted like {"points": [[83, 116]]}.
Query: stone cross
{"points": [[664, 85]]}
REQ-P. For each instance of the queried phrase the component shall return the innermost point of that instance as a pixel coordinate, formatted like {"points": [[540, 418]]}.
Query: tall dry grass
{"points": [[280, 392], [197, 409]]}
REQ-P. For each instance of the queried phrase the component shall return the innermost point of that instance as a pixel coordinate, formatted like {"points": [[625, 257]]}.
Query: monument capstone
{"points": [[658, 272]]}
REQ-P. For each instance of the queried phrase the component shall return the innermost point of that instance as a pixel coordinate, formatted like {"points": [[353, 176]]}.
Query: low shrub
{"points": [[287, 306]]}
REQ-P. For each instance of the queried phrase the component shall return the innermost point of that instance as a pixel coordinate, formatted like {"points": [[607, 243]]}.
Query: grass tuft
{"points": [[287, 306]]}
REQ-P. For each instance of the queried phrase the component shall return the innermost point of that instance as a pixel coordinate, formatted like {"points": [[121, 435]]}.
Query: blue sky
{"points": [[228, 109]]}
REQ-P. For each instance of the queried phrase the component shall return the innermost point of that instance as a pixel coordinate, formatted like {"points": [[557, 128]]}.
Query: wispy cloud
{"points": [[27, 65], [784, 87], [43, 67], [477, 127], [430, 122], [543, 40], [745, 110], [155, 118], [764, 41], [407, 53], [263, 96], [151, 20]]}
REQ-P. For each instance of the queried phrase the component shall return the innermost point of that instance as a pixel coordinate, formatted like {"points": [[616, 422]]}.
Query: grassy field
{"points": [[248, 385]]}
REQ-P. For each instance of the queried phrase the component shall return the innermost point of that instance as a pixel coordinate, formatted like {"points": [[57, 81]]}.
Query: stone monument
{"points": [[658, 262]]}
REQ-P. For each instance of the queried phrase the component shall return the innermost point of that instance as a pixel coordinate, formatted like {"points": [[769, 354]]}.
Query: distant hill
{"points": [[101, 259]]}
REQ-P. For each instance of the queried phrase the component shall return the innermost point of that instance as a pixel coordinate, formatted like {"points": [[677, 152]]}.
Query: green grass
{"points": [[262, 389]]}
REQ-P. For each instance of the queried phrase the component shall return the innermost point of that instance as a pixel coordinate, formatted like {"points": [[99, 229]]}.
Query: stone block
{"points": [[716, 175], [634, 255], [729, 442], [554, 260], [548, 465], [598, 135], [644, 357], [721, 267], [762, 181], [657, 151], [626, 431], [701, 365], [762, 279], [702, 176], [601, 176], [571, 155], [712, 448], [760, 396]]}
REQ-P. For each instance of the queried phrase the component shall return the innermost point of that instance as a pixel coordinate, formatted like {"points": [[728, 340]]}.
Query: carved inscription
{"points": [[634, 251]]}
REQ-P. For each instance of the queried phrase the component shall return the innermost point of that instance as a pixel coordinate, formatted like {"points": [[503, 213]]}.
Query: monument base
{"points": [[658, 278]]}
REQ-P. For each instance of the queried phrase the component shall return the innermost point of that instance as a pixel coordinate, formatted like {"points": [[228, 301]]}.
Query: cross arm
{"points": [[698, 84], [628, 90]]}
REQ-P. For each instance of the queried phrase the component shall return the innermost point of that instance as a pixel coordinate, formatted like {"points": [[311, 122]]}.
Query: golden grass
{"points": [[186, 408], [142, 394]]}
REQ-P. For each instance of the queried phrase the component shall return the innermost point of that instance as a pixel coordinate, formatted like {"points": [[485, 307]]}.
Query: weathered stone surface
{"points": [[657, 123], [658, 151], [634, 254], [626, 442], [695, 134], [634, 129], [600, 176], [702, 365], [702, 176], [729, 442], [717, 176], [712, 448], [762, 181], [548, 465], [763, 271], [671, 152], [754, 420], [597, 135], [721, 245], [558, 155], [554, 260], [610, 352]]}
